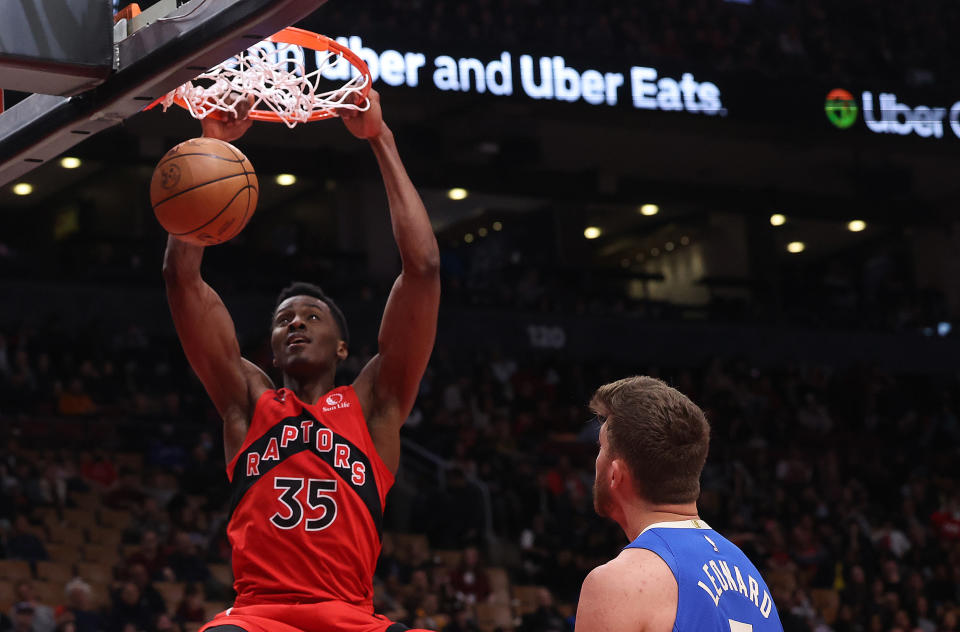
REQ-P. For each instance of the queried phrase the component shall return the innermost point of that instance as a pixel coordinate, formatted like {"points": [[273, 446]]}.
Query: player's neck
{"points": [[309, 390], [639, 515]]}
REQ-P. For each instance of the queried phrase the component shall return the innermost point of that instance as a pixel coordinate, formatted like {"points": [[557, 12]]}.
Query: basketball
{"points": [[204, 191]]}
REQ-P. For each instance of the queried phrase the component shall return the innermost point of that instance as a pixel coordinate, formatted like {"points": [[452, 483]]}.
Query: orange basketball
{"points": [[204, 191]]}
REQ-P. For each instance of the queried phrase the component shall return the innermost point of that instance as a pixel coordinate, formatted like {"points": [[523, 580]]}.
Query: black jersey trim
{"points": [[368, 492]]}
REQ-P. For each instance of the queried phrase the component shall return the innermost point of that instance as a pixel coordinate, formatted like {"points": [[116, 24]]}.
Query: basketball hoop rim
{"points": [[305, 39]]}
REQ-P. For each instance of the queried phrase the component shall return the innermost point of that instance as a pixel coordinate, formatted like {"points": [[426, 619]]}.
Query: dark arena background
{"points": [[754, 200]]}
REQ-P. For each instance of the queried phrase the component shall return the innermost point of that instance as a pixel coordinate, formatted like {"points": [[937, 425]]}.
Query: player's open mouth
{"points": [[297, 340]]}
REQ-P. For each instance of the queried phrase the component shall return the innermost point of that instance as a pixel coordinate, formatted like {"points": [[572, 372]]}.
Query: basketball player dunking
{"points": [[309, 464], [677, 573]]}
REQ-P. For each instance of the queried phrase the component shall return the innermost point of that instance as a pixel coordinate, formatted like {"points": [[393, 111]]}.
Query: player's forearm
{"points": [[181, 261], [411, 225]]}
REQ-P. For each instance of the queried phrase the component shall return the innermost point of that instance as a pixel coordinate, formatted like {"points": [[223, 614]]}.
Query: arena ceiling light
{"points": [[796, 247], [23, 188], [497, 226], [592, 232], [649, 210], [857, 225], [778, 219], [285, 179], [468, 238], [70, 162], [457, 193]]}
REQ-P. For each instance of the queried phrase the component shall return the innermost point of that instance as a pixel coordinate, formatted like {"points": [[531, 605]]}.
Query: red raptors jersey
{"points": [[308, 498]]}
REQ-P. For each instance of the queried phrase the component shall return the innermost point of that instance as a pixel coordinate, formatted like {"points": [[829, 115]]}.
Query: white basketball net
{"points": [[278, 81]]}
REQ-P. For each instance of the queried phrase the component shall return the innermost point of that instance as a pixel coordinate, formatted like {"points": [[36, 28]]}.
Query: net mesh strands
{"points": [[275, 78]]}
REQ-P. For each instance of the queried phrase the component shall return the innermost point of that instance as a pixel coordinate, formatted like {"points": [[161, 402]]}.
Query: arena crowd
{"points": [[840, 484]]}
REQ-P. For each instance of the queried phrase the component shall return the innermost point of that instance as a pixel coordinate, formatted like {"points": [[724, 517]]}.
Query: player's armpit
{"points": [[636, 592]]}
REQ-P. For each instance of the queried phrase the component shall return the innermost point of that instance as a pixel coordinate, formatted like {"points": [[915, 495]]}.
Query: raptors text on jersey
{"points": [[308, 493]]}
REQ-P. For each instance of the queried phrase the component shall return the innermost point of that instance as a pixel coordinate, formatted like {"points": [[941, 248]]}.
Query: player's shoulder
{"points": [[637, 585], [639, 563]]}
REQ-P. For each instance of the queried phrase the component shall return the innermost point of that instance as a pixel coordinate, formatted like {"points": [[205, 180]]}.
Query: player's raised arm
{"points": [[207, 332], [390, 382]]}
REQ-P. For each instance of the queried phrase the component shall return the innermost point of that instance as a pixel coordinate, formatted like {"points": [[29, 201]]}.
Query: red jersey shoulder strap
{"points": [[343, 414]]}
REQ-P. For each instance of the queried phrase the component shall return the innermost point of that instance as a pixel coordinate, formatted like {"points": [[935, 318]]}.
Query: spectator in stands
{"points": [[166, 624], [151, 555], [25, 593], [460, 524], [417, 590], [149, 596], [185, 562], [462, 621], [65, 620], [470, 580], [127, 493], [23, 543], [385, 603], [23, 617], [389, 567], [187, 516], [53, 485], [538, 547], [427, 616], [948, 623], [97, 469], [80, 606], [190, 609], [74, 400], [67, 625], [202, 476], [149, 517], [546, 618], [946, 520], [128, 609], [565, 577]]}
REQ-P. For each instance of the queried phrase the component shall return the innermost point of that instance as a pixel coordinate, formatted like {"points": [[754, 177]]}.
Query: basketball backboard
{"points": [[64, 51], [153, 53]]}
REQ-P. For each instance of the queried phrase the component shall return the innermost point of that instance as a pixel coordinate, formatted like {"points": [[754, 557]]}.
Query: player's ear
{"points": [[342, 351], [276, 363], [618, 473]]}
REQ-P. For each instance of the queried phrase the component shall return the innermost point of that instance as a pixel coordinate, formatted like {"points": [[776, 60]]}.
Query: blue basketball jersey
{"points": [[719, 589]]}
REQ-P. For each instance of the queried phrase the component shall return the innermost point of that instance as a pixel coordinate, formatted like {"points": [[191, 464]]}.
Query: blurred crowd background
{"points": [[840, 484]]}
